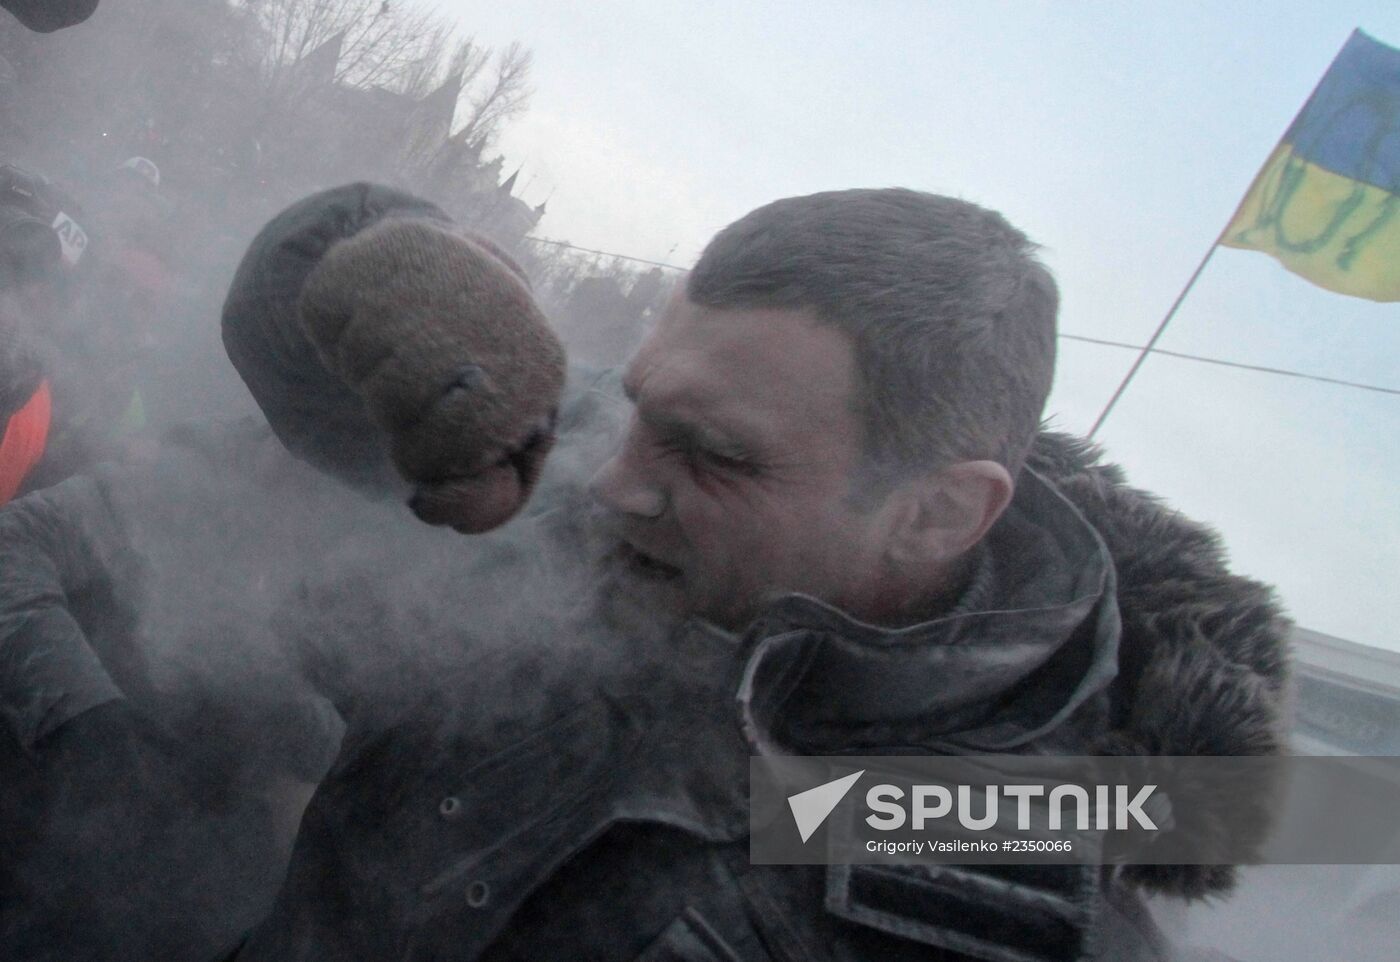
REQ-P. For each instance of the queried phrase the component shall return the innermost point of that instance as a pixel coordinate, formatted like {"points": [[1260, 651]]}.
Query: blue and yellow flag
{"points": [[1327, 204]]}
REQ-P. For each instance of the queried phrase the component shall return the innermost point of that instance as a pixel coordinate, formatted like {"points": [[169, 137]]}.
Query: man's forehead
{"points": [[671, 374], [740, 360]]}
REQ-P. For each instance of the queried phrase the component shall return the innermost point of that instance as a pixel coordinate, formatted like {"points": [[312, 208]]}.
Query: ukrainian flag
{"points": [[1327, 204]]}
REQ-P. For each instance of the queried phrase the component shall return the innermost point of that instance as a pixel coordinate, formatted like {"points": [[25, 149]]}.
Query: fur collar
{"points": [[1204, 661]]}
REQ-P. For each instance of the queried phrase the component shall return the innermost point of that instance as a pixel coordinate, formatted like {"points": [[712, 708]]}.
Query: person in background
{"points": [[115, 346], [150, 305], [39, 242], [156, 748], [79, 321]]}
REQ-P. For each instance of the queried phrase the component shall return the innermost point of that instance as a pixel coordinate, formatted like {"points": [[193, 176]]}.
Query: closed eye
{"points": [[737, 465], [699, 456]]}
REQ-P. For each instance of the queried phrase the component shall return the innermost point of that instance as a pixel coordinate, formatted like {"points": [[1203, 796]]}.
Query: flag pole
{"points": [[1157, 334], [1171, 312]]}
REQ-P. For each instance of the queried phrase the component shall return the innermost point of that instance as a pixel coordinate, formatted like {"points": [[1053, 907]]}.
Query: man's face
{"points": [[735, 479]]}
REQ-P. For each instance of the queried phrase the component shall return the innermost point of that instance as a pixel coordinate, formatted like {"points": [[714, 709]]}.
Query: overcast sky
{"points": [[1118, 135]]}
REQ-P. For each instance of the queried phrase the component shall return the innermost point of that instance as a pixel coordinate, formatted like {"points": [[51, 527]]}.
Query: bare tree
{"points": [[505, 96], [378, 43], [442, 160], [395, 46], [464, 65]]}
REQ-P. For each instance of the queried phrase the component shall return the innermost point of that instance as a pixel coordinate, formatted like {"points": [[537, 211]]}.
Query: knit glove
{"points": [[455, 363]]}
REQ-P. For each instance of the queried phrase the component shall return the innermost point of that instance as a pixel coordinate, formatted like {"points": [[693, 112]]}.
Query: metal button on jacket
{"points": [[478, 894]]}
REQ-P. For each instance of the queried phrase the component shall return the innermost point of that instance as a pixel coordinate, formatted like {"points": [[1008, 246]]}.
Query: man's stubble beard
{"points": [[634, 608]]}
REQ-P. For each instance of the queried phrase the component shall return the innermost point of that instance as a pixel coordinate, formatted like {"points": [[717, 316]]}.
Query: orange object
{"points": [[23, 444]]}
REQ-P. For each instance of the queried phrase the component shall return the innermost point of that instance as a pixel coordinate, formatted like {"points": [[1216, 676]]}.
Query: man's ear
{"points": [[945, 514]]}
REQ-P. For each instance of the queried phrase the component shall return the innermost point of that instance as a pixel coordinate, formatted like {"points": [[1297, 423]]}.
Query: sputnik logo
{"points": [[811, 808]]}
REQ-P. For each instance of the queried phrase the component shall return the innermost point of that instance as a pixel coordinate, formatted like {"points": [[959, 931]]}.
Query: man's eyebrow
{"points": [[701, 432], [715, 437]]}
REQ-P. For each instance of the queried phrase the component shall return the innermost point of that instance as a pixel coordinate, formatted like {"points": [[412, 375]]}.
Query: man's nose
{"points": [[620, 487]]}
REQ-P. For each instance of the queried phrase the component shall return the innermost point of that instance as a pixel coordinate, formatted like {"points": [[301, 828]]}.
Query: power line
{"points": [[1141, 349], [1235, 364], [589, 250]]}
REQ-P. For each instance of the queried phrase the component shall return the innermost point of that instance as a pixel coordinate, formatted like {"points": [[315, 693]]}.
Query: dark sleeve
{"points": [[46, 16], [54, 546]]}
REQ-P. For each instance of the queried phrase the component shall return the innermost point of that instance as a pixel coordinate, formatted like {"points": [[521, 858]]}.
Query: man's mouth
{"points": [[644, 565]]}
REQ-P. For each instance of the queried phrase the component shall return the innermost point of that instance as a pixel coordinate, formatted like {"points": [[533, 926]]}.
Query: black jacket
{"points": [[558, 767], [586, 798], [177, 589]]}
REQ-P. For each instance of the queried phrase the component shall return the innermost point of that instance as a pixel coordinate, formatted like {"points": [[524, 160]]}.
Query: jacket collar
{"points": [[1039, 616]]}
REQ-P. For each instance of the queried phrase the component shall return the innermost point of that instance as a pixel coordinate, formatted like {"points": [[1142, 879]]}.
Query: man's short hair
{"points": [[951, 315]]}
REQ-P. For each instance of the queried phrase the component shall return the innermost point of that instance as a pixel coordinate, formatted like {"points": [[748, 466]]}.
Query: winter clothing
{"points": [[140, 692], [21, 371], [141, 701], [532, 768], [356, 315], [586, 798], [371, 308], [22, 440], [305, 325], [69, 537], [87, 356], [315, 414]]}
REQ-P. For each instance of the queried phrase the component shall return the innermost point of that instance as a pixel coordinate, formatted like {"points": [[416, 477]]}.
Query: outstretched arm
{"points": [[55, 545]]}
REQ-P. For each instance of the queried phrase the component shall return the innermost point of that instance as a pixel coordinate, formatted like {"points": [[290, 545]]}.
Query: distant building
{"points": [[499, 213], [1348, 697], [1348, 704]]}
